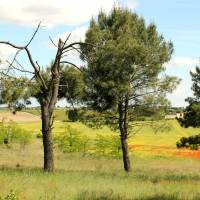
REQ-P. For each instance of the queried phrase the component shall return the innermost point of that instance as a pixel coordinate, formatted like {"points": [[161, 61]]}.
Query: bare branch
{"points": [[24, 48], [67, 39], [12, 45], [70, 49], [21, 48], [38, 66], [66, 62], [31, 60], [77, 49], [53, 42], [77, 43], [16, 68], [33, 35]]}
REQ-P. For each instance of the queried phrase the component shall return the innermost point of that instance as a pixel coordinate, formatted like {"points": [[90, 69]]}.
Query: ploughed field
{"points": [[159, 170]]}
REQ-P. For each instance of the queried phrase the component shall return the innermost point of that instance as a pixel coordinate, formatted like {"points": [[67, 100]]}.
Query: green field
{"points": [[159, 170], [143, 139], [59, 114]]}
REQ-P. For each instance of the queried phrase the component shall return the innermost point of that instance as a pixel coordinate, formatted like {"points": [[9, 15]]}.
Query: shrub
{"points": [[101, 145], [3, 132], [85, 144], [115, 146], [108, 146], [73, 115], [71, 140], [39, 135], [191, 142], [11, 132]]}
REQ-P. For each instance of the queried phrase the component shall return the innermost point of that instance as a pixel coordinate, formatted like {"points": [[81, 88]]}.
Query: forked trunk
{"points": [[47, 139], [48, 102], [123, 126]]}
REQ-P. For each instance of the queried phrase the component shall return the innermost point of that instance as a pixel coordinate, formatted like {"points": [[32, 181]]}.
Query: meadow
{"points": [[159, 170]]}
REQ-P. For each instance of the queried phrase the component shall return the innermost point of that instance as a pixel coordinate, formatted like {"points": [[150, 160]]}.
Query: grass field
{"points": [[159, 170], [91, 178], [59, 114]]}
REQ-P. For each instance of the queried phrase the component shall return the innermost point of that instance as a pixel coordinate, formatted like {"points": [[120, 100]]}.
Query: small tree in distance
{"points": [[15, 93], [191, 116], [126, 66]]}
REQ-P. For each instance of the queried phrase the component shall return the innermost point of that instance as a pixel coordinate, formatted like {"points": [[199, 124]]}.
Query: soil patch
{"points": [[18, 117]]}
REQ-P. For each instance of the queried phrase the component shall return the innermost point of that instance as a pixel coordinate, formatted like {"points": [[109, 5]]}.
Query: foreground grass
{"points": [[33, 184], [142, 183], [93, 178]]}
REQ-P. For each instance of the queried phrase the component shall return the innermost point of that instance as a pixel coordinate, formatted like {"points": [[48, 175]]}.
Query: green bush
{"points": [[73, 115], [3, 133], [12, 133], [115, 147], [108, 145], [191, 142], [71, 140], [101, 145], [39, 135], [85, 144]]}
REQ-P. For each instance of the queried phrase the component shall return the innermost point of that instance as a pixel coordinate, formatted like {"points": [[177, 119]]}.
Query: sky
{"points": [[177, 20]]}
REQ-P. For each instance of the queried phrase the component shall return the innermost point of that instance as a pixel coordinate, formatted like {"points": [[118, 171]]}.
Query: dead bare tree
{"points": [[48, 92]]}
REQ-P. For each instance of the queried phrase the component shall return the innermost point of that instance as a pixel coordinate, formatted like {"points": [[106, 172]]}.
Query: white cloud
{"points": [[183, 91], [78, 34], [53, 12], [131, 4], [182, 62], [181, 66]]}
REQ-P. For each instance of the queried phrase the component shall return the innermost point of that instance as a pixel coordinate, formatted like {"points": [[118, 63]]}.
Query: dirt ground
{"points": [[18, 117]]}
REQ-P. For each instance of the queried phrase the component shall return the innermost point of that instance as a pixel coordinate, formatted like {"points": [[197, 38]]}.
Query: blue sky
{"points": [[177, 20]]}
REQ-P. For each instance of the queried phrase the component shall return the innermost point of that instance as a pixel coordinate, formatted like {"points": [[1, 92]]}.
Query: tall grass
{"points": [[90, 178], [34, 184]]}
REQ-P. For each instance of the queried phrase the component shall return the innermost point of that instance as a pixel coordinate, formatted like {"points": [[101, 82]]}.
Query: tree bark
{"points": [[47, 138], [48, 101], [123, 126]]}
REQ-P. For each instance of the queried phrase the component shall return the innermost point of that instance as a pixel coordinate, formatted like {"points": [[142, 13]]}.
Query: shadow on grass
{"points": [[156, 178], [20, 170], [27, 170]]}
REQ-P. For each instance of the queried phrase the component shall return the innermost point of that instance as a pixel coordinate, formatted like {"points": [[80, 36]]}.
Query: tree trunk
{"points": [[47, 138], [48, 102], [123, 126]]}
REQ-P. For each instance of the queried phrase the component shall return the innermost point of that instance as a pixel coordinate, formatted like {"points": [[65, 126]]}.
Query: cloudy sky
{"points": [[177, 20]]}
